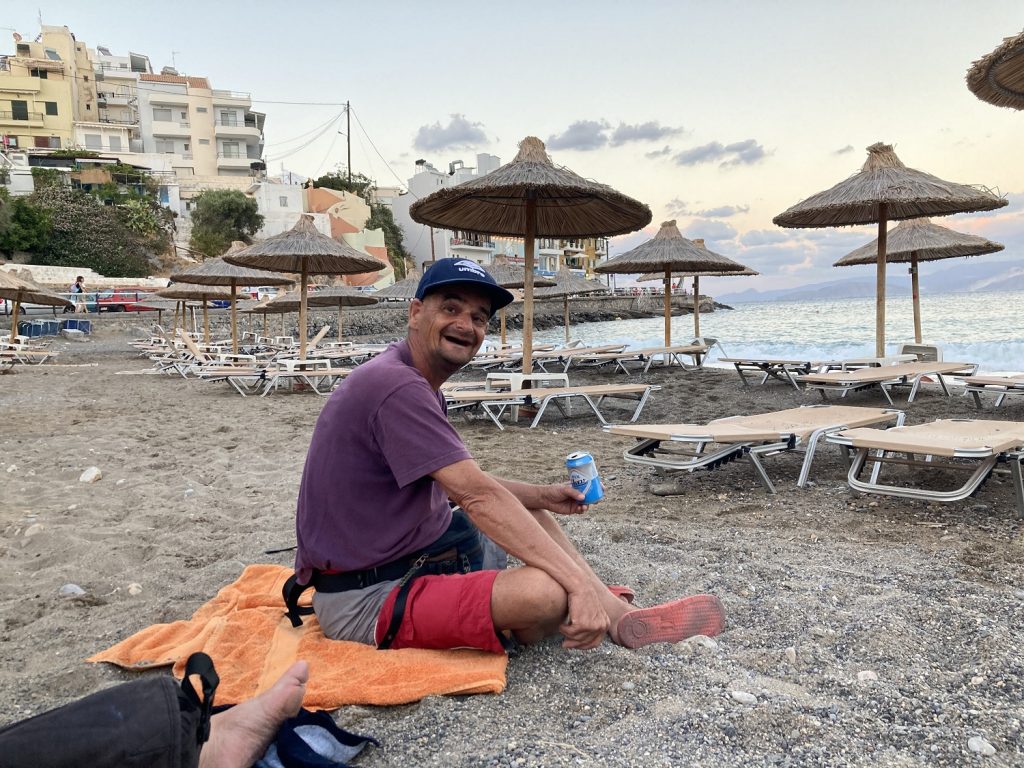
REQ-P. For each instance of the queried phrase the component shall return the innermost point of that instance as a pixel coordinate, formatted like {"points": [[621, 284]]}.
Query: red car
{"points": [[122, 301]]}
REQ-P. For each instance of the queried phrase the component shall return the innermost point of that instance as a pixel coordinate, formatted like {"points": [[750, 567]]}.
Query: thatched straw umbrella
{"points": [[668, 251], [883, 190], [512, 276], [334, 296], [998, 78], [304, 250], [917, 240], [403, 289], [568, 284], [219, 272], [530, 197], [203, 293], [19, 291]]}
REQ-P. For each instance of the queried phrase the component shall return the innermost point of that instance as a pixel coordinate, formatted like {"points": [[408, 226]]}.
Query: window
{"points": [[184, 114], [204, 142], [187, 146], [201, 109], [85, 78], [88, 107], [282, 201], [230, 149], [93, 141], [19, 110], [40, 73], [162, 114], [115, 143], [47, 142], [165, 147], [51, 107], [184, 171]]}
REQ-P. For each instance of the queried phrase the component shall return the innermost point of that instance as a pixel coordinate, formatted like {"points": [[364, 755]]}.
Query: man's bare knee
{"points": [[527, 597]]}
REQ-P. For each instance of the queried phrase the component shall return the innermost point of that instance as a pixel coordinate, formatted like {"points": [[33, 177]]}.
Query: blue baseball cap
{"points": [[454, 271]]}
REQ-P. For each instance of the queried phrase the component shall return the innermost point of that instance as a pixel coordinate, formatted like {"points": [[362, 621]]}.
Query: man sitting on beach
{"points": [[393, 564]]}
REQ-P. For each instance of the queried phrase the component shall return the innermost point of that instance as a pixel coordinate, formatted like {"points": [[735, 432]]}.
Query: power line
{"points": [[307, 133], [401, 183]]}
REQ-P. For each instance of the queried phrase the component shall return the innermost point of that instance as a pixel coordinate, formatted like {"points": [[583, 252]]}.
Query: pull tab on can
{"points": [[583, 476]]}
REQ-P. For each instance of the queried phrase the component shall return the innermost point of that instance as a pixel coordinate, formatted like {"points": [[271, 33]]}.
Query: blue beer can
{"points": [[583, 476]]}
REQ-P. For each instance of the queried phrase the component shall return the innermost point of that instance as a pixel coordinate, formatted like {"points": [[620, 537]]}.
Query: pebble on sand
{"points": [[91, 475], [979, 745], [744, 698], [867, 676], [71, 590]]}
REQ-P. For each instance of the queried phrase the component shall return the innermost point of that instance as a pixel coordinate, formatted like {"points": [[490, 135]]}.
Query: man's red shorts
{"points": [[445, 612]]}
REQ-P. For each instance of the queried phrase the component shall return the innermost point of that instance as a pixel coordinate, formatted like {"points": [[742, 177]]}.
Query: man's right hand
{"points": [[587, 623]]}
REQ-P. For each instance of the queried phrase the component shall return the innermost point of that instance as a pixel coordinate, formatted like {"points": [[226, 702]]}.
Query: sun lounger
{"points": [[884, 377], [975, 446], [494, 404], [33, 356], [644, 358], [1000, 386], [689, 447], [562, 357], [786, 371]]}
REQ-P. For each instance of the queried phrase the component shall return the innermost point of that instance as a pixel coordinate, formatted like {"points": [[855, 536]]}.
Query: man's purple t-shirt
{"points": [[367, 496]]}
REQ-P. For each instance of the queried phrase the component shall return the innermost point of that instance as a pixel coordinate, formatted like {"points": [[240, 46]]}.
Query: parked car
{"points": [[119, 301]]}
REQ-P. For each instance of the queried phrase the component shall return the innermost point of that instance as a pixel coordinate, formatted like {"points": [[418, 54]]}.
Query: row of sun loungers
{"points": [[551, 359], [870, 436]]}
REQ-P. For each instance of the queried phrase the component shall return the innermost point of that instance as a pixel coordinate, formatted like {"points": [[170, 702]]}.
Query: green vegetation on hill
{"points": [[220, 216]]}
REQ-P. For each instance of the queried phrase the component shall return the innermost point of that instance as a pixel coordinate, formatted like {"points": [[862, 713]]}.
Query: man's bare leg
{"points": [[668, 622], [529, 603], [240, 735], [614, 607]]}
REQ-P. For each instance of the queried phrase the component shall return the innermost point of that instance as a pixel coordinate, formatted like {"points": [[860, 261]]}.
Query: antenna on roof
{"points": [[174, 61]]}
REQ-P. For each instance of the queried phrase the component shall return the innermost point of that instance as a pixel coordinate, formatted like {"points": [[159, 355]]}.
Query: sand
{"points": [[862, 630]]}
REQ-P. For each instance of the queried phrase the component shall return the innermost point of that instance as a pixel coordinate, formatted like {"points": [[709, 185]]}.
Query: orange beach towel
{"points": [[245, 631]]}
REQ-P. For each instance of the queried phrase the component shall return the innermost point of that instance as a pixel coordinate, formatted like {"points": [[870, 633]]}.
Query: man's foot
{"points": [[623, 593], [239, 736], [671, 622]]}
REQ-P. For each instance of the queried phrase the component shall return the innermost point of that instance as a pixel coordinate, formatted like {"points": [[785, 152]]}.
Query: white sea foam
{"points": [[980, 328]]}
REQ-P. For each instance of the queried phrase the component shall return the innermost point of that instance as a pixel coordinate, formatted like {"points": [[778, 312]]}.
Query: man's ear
{"points": [[415, 309]]}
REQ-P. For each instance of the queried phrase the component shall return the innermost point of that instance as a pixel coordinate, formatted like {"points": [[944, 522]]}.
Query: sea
{"points": [[978, 328]]}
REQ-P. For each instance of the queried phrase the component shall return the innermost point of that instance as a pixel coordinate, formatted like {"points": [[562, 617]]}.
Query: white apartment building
{"points": [[551, 254]]}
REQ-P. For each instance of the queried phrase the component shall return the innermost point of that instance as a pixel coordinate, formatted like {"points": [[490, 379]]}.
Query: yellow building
{"points": [[44, 87]]}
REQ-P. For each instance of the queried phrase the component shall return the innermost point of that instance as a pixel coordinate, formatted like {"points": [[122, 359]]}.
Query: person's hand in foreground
{"points": [[562, 499], [587, 623]]}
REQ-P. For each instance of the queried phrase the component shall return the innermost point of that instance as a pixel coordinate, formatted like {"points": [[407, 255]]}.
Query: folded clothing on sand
{"points": [[245, 631]]}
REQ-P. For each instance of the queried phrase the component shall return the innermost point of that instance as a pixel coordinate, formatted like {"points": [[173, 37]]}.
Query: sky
{"points": [[718, 115]]}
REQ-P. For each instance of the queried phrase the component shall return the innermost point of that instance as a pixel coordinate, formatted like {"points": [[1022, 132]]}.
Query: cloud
{"points": [[656, 153], [755, 237], [710, 230], [583, 135], [844, 150], [649, 131], [460, 133], [678, 208], [747, 152]]}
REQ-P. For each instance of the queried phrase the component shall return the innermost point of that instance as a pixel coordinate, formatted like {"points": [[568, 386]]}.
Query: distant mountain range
{"points": [[966, 276]]}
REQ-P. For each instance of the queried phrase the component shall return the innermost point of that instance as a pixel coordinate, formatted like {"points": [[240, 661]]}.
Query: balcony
{"points": [[115, 98], [181, 130], [479, 244], [22, 119], [162, 97], [232, 98], [236, 128], [231, 158]]}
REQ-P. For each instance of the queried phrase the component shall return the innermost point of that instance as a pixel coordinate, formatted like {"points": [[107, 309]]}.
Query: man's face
{"points": [[449, 324]]}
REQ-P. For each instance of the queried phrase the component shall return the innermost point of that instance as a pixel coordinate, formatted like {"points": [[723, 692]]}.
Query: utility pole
{"points": [[348, 138]]}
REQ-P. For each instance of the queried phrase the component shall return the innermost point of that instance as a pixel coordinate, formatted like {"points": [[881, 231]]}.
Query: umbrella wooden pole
{"points": [[282, 323], [206, 323], [174, 322], [302, 314], [880, 282], [502, 313], [696, 306], [339, 320], [668, 307], [234, 318], [265, 324], [14, 318], [915, 291], [529, 235], [565, 300]]}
